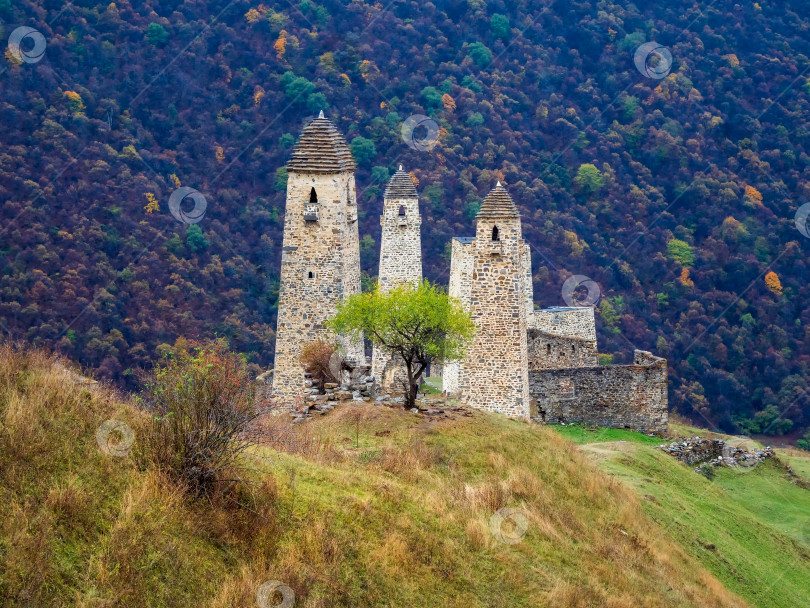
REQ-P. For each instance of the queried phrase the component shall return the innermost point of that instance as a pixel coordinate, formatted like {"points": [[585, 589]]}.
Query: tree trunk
{"points": [[413, 389]]}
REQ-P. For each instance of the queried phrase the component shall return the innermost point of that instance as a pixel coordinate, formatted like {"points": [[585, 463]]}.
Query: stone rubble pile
{"points": [[310, 409], [715, 452]]}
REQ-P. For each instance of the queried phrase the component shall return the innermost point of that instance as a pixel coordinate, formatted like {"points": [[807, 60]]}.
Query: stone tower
{"points": [[461, 270], [320, 260], [494, 375], [400, 257]]}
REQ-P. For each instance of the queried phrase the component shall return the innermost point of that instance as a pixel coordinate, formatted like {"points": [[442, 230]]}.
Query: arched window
{"points": [[310, 275], [573, 348], [313, 196], [402, 211], [548, 349], [495, 235]]}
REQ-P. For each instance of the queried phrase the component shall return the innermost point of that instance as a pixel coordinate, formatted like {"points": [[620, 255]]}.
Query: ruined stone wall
{"points": [[320, 265], [620, 396], [400, 263], [576, 321], [550, 351], [494, 374], [461, 270]]}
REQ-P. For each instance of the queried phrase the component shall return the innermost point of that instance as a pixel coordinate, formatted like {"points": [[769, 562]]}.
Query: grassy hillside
{"points": [[749, 527], [364, 507]]}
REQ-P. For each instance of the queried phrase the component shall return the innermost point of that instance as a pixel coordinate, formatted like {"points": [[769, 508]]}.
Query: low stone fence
{"points": [[716, 452], [618, 396]]}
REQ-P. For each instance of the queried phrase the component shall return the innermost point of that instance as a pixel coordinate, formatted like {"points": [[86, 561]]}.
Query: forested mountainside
{"points": [[677, 195]]}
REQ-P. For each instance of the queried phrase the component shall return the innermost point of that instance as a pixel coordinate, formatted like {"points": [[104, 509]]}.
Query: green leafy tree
{"points": [[296, 88], [156, 34], [363, 150], [499, 25], [804, 442], [280, 180], [416, 324], [480, 54], [470, 83], [432, 97], [589, 178], [380, 174], [317, 102], [475, 119], [768, 422], [195, 239], [681, 252]]}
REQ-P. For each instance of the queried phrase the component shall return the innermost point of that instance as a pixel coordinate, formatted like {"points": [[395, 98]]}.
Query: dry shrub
{"points": [[565, 594], [524, 484], [478, 533], [300, 440], [67, 500], [409, 460], [484, 498], [316, 357], [244, 514], [206, 417]]}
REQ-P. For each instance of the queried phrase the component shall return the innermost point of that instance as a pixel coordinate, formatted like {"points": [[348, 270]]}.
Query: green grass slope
{"points": [[749, 527], [363, 507]]}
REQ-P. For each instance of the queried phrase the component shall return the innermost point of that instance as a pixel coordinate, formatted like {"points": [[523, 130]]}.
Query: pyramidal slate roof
{"points": [[401, 186], [321, 149], [498, 203]]}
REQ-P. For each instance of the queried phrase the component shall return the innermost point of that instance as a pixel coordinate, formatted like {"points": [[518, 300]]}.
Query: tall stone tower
{"points": [[462, 261], [494, 375], [320, 260], [400, 257]]}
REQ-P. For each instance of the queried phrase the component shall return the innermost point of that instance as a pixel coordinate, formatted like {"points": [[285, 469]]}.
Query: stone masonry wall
{"points": [[494, 375], [400, 263], [320, 265], [575, 321], [461, 270], [528, 285], [550, 351], [620, 396]]}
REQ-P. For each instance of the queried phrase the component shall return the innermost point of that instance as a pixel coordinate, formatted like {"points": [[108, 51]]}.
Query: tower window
{"points": [[495, 235], [313, 196], [402, 211], [310, 275], [548, 349]]}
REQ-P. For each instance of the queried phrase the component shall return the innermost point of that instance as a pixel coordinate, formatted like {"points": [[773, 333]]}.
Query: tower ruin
{"points": [[400, 257], [320, 260], [494, 375]]}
